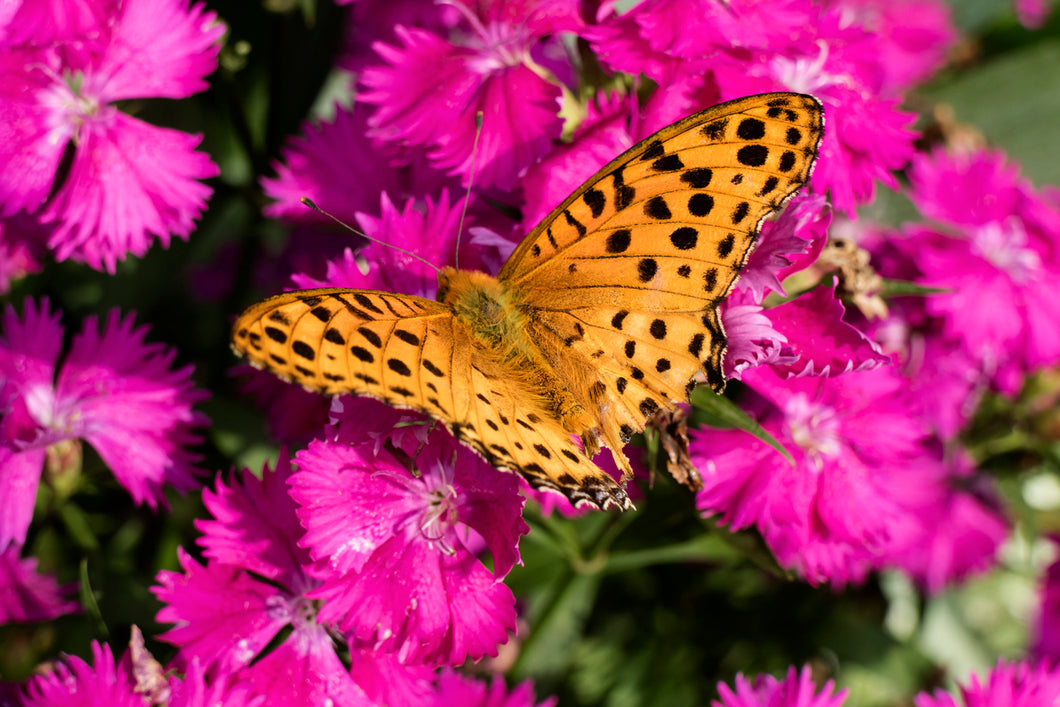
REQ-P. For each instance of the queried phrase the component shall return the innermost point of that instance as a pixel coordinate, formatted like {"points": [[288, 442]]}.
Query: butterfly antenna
{"points": [[309, 202], [470, 179]]}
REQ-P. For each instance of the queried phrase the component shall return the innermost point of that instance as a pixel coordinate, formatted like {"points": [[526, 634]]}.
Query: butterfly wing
{"points": [[626, 275], [411, 353]]}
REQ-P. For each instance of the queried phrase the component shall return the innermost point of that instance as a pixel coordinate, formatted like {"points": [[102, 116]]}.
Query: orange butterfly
{"points": [[600, 319]]}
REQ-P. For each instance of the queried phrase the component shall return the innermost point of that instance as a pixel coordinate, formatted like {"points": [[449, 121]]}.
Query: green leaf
{"points": [[709, 547], [897, 288], [557, 624], [725, 414], [79, 527], [88, 600]]}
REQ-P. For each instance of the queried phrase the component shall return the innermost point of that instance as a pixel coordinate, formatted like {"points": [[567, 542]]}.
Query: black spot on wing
{"points": [[752, 155]]}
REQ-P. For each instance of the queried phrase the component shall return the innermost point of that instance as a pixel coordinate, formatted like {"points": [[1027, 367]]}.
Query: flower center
{"points": [[806, 74], [439, 516], [500, 44], [814, 428], [1004, 245]]}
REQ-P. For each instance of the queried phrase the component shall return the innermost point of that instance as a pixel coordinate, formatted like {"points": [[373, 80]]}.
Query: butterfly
{"points": [[601, 318]]}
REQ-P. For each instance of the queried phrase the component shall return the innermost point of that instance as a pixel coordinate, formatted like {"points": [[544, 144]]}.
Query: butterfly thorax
{"points": [[483, 305], [497, 320]]}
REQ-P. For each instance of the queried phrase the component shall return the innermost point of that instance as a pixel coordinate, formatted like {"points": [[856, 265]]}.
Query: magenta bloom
{"points": [[831, 516], [430, 87], [113, 390], [813, 327], [942, 373], [393, 550], [604, 133], [255, 586], [428, 228], [343, 171], [795, 690], [129, 181], [75, 683], [995, 256], [1008, 685], [26, 595], [456, 689], [22, 248], [855, 56], [960, 524], [1032, 14]]}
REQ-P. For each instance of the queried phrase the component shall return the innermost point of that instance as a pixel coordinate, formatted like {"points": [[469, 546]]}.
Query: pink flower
{"points": [[664, 38], [133, 681], [912, 37], [942, 373], [21, 249], [1032, 14], [866, 136], [456, 689], [960, 524], [128, 180], [995, 257], [26, 595], [74, 682], [393, 548], [806, 335], [430, 87], [343, 171], [1008, 685], [813, 327], [254, 587], [795, 690], [833, 514], [428, 228], [113, 390]]}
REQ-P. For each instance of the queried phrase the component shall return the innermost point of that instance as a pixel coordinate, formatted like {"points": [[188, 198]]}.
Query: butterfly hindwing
{"points": [[507, 426]]}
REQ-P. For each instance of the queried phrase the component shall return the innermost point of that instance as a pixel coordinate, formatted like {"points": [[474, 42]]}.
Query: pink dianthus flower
{"points": [[430, 87], [994, 255], [1019, 684], [25, 594], [255, 586], [796, 689], [830, 516], [61, 73], [393, 550], [112, 390]]}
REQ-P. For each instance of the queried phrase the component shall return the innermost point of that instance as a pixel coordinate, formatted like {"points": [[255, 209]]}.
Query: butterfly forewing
{"points": [[629, 271], [392, 347], [670, 222]]}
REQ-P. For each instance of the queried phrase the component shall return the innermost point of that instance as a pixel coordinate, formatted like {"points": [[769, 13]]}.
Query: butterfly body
{"points": [[603, 316]]}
